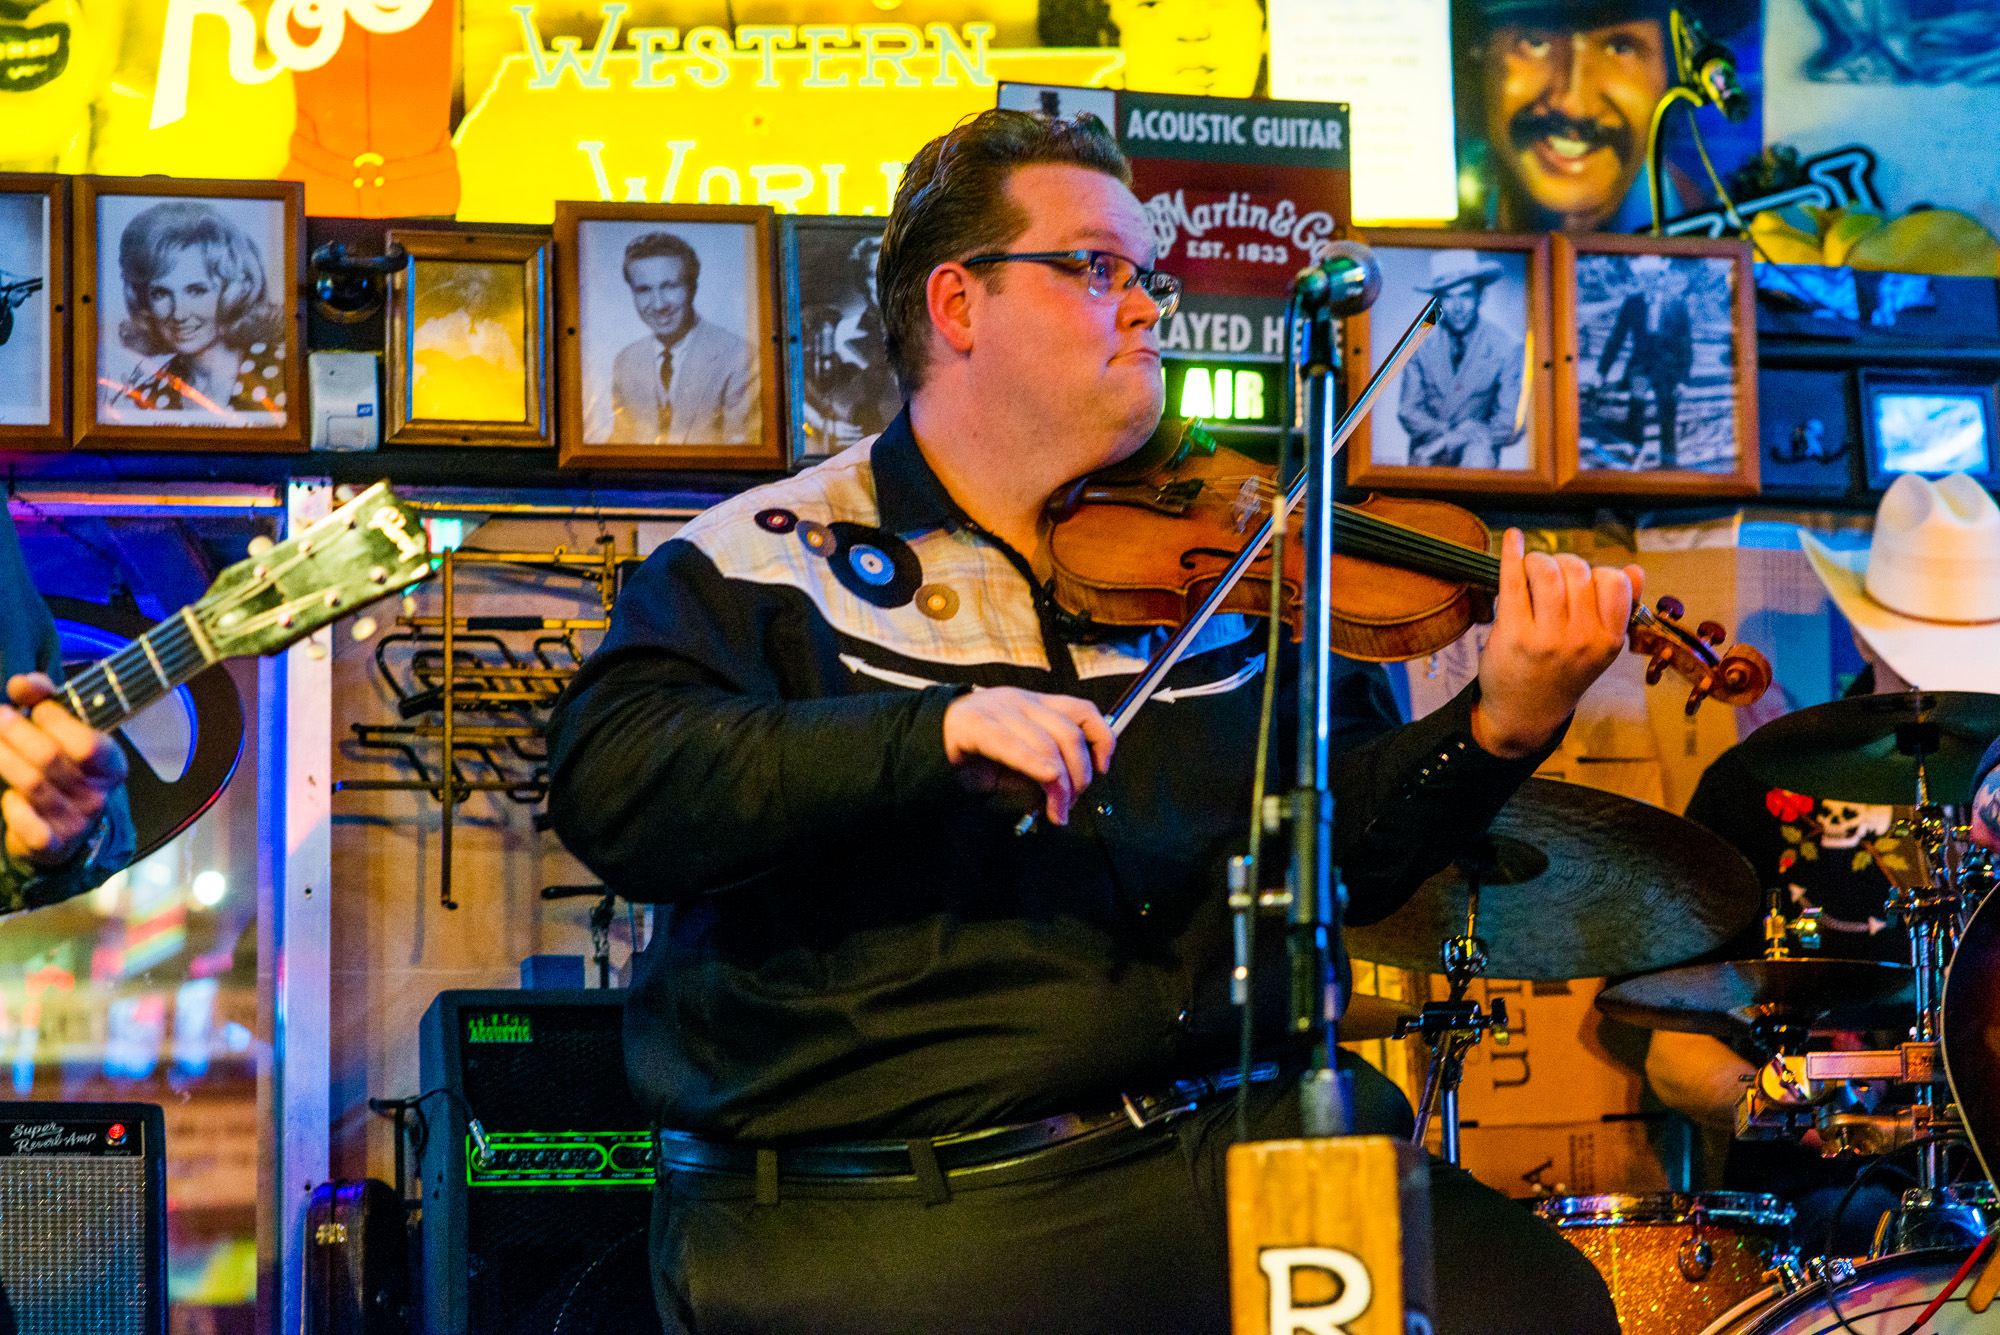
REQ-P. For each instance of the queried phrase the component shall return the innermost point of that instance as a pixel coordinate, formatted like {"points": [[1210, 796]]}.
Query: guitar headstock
{"points": [[367, 549], [1738, 676]]}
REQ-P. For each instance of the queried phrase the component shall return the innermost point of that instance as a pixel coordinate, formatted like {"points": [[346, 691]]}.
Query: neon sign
{"points": [[808, 118], [326, 19], [1236, 395]]}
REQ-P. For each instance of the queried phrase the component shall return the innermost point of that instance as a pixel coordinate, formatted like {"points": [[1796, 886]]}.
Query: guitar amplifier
{"points": [[83, 1218], [544, 1227]]}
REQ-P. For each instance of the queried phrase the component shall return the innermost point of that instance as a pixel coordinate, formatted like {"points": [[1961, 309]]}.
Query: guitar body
{"points": [[161, 807]]}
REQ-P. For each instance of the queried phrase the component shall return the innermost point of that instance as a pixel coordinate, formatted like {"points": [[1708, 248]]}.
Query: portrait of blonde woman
{"points": [[201, 335]]}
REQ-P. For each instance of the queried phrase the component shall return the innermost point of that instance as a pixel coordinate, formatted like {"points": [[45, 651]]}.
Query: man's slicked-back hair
{"points": [[953, 204]]}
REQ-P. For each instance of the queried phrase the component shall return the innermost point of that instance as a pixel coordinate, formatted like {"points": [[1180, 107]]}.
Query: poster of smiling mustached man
{"points": [[188, 314]]}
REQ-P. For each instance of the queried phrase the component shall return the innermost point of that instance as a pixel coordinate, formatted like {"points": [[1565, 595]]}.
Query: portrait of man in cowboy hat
{"points": [[1653, 325], [1566, 91], [1460, 397], [1656, 363]]}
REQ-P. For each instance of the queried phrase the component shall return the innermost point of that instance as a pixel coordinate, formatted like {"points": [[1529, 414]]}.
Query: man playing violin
{"points": [[916, 1072]]}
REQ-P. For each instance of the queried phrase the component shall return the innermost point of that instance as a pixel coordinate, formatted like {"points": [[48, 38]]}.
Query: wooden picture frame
{"points": [[1607, 421], [1465, 421], [223, 338], [464, 295], [839, 386], [714, 401], [34, 311]]}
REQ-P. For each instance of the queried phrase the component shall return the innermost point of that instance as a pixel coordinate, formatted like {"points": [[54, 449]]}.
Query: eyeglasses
{"points": [[1105, 272]]}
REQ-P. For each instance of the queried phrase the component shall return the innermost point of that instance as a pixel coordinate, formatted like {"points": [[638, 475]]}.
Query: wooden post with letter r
{"points": [[1329, 1237]]}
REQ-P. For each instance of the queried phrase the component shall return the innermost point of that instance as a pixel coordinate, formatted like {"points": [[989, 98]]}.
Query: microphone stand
{"points": [[1344, 283], [1318, 897]]}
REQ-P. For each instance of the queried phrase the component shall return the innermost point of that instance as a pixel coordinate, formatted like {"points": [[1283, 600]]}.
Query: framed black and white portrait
{"points": [[34, 225], [1657, 388], [841, 386], [466, 353], [187, 328], [669, 338], [1473, 409]]}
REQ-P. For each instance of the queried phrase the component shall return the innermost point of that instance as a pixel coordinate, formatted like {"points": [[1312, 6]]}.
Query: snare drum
{"points": [[1883, 1298], [1674, 1263]]}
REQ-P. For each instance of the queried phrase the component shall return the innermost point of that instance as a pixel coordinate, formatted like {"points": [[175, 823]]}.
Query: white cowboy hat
{"points": [[1926, 593], [1449, 268]]}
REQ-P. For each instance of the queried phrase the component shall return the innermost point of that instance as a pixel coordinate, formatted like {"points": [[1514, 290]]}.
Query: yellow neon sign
{"points": [[813, 118], [326, 19]]}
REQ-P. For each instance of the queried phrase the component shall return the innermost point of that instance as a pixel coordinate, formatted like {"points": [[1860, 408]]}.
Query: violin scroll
{"points": [[1739, 676]]}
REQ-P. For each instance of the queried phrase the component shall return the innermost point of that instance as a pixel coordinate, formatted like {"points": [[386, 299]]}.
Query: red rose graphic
{"points": [[1788, 806]]}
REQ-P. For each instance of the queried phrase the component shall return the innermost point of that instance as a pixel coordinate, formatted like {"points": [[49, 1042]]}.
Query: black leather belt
{"points": [[924, 1162]]}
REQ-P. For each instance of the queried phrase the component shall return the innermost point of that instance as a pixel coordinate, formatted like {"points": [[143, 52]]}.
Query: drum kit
{"points": [[1576, 883]]}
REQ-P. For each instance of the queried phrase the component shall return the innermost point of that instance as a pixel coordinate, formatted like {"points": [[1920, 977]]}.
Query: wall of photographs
{"points": [[492, 112]]}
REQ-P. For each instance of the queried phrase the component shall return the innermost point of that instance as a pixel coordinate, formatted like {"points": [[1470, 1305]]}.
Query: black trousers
{"points": [[1666, 401], [1138, 1245]]}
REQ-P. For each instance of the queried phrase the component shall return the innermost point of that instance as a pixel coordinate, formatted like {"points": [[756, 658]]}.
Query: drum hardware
{"points": [[1872, 1134], [1952, 1216], [1782, 934], [1451, 1028], [1791, 1272]]}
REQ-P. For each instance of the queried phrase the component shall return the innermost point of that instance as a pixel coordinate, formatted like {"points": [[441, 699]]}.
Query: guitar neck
{"points": [[113, 689]]}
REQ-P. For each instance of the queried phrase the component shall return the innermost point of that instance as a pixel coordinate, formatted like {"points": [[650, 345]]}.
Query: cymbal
{"points": [[1372, 1017], [1849, 750], [1585, 883], [1726, 999]]}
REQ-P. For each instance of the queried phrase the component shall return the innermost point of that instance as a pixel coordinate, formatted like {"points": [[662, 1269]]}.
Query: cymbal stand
{"points": [[1451, 1028], [1929, 913]]}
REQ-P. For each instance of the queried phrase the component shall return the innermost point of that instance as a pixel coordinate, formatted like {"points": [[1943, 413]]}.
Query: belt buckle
{"points": [[1146, 1112]]}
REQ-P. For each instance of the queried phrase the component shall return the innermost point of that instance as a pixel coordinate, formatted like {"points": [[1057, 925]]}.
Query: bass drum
{"points": [[1883, 1298]]}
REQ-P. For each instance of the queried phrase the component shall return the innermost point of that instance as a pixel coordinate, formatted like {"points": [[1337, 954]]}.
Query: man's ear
{"points": [[948, 296]]}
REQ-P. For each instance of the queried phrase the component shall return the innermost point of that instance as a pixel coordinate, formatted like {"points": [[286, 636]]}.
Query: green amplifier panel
{"points": [[566, 1160]]}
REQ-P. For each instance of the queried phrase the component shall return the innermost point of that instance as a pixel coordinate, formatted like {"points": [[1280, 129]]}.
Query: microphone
{"points": [[1710, 66], [1344, 282]]}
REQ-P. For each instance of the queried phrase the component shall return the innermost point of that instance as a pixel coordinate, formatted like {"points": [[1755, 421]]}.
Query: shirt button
{"points": [[1105, 808]]}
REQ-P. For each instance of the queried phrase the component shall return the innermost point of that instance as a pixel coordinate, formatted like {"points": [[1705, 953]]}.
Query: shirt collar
{"points": [[908, 496]]}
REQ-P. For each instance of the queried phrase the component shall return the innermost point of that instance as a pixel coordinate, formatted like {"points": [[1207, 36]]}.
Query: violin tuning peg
{"points": [[1711, 632], [1672, 608]]}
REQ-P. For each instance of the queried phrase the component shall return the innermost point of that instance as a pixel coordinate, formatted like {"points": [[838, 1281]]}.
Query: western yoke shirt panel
{"points": [[850, 943]]}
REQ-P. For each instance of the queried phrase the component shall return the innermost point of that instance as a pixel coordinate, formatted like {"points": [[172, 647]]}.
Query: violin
{"points": [[1152, 540]]}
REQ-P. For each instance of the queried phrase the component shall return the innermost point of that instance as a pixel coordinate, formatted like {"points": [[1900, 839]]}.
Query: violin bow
{"points": [[1177, 645]]}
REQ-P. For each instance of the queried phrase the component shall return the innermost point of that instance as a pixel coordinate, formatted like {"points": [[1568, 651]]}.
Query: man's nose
{"points": [[1571, 81], [1138, 309]]}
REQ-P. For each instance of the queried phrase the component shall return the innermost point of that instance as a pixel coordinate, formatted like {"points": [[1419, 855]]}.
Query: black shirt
{"points": [[852, 944], [1816, 852]]}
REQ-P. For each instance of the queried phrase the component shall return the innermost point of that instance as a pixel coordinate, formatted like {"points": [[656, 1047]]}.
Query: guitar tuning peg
{"points": [[315, 650], [363, 628], [1672, 608], [409, 604], [1711, 632], [260, 544]]}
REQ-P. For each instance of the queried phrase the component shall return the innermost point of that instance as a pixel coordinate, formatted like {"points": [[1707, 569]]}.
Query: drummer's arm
{"points": [[1986, 800], [1696, 1075]]}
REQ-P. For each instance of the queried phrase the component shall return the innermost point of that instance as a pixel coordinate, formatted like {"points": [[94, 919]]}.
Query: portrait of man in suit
{"points": [[1460, 395], [688, 380], [1654, 325]]}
